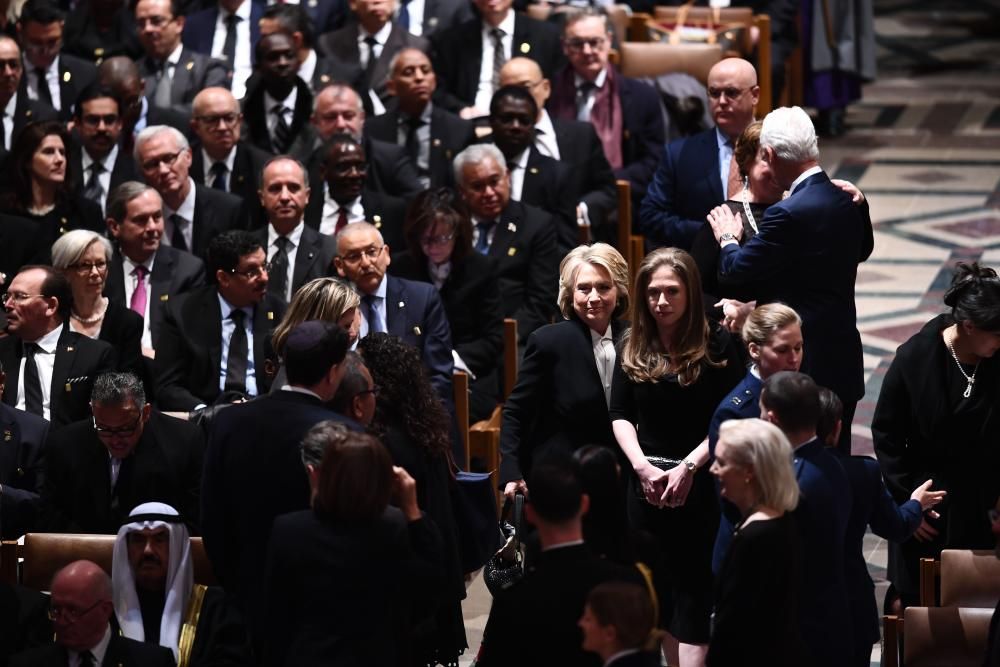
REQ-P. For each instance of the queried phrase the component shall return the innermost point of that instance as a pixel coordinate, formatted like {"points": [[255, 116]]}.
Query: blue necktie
{"points": [[483, 242], [374, 326], [403, 18]]}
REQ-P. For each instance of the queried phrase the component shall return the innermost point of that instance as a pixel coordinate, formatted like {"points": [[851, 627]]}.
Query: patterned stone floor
{"points": [[924, 146]]}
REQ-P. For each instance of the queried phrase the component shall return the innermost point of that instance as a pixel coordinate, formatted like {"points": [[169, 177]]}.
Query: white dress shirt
{"points": [[289, 113], [485, 91], [415, 10], [308, 67], [104, 178], [170, 64], [51, 80], [186, 211], [291, 249], [517, 167], [208, 162], [131, 282], [604, 356], [228, 327], [8, 121], [331, 211], [364, 51], [803, 176], [45, 360], [491, 234], [242, 67], [98, 651], [545, 136], [378, 306]]}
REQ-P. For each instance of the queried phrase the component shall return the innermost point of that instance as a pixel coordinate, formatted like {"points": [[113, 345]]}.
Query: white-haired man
{"points": [[806, 255], [156, 600]]}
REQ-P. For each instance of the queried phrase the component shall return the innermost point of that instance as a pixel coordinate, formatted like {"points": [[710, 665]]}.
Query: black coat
{"points": [[313, 257], [193, 73], [165, 466], [122, 330], [122, 652], [390, 170], [591, 180], [18, 244], [21, 469], [123, 170], [78, 362], [548, 185], [74, 75], [23, 617], [244, 181], [214, 213], [255, 118], [189, 351]]}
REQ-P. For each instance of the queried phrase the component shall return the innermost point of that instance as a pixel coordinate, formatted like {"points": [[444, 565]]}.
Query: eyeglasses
{"points": [[374, 391], [169, 160], [84, 268], [122, 431], [371, 252], [437, 240], [253, 272], [578, 44], [730, 93], [69, 614], [228, 119], [94, 120], [19, 297]]}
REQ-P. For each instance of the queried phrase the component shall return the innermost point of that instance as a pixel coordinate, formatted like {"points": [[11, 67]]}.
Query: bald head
{"points": [[216, 121], [117, 68], [85, 576], [732, 95], [526, 73], [81, 605], [337, 108]]}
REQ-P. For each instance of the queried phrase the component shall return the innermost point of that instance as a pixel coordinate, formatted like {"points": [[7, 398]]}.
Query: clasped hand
{"points": [[665, 488]]}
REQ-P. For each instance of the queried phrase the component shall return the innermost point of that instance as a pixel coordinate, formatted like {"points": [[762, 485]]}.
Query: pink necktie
{"points": [[139, 295]]}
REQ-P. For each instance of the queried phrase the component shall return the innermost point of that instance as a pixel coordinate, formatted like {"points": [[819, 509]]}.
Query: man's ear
{"points": [[338, 264], [584, 504]]}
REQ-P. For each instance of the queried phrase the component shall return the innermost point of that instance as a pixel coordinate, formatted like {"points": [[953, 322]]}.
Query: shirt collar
{"points": [[301, 390], [228, 308], [803, 176], [308, 66], [175, 55], [507, 25], [100, 648], [208, 161], [11, 105], [108, 161], [602, 76], [382, 36], [544, 124], [353, 208], [49, 341], [596, 337], [294, 236], [721, 139], [521, 160], [129, 266], [425, 115], [186, 209], [620, 654], [289, 101], [243, 11], [563, 545], [379, 291]]}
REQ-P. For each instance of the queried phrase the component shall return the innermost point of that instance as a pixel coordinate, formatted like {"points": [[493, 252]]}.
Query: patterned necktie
{"points": [[218, 172], [236, 361], [139, 296], [374, 325], [177, 237], [282, 133], [44, 94], [93, 190], [229, 46], [277, 272], [499, 57], [483, 242], [32, 385]]}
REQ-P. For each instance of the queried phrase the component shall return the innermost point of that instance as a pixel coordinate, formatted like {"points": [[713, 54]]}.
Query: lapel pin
{"points": [[189, 66], [533, 170], [377, 219], [311, 255], [324, 78], [511, 227], [416, 331], [27, 113], [69, 387], [99, 51], [69, 348], [432, 21], [164, 297], [270, 315], [525, 47], [20, 472], [7, 437], [436, 142], [402, 304], [625, 134], [313, 3], [67, 76], [511, 252]]}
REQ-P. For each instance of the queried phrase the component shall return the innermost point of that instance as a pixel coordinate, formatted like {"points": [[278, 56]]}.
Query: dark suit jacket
{"points": [[547, 185], [164, 466], [174, 272], [449, 136], [82, 38], [313, 257], [30, 111], [23, 617], [440, 15], [558, 400], [326, 16], [124, 169], [458, 55], [686, 187], [387, 213], [806, 255], [255, 117], [821, 516], [122, 330], [75, 74], [591, 179], [534, 622], [329, 71], [21, 471], [243, 182], [258, 440], [199, 29], [524, 250], [193, 73], [214, 213], [390, 169], [189, 352], [342, 46], [122, 652], [18, 244], [79, 360]]}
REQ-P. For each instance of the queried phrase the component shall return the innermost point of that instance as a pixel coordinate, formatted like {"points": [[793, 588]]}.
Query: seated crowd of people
{"points": [[244, 249]]}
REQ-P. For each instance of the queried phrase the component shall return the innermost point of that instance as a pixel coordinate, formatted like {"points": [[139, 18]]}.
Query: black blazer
{"points": [[21, 470], [390, 169], [255, 117], [558, 400], [440, 15], [193, 73], [82, 38], [199, 28], [24, 618], [75, 74], [164, 466], [174, 272], [189, 352], [547, 185], [214, 213], [591, 179], [524, 252], [458, 55], [18, 244], [124, 169], [313, 257], [30, 111], [244, 181], [122, 330], [79, 360], [122, 652], [449, 136], [386, 212]]}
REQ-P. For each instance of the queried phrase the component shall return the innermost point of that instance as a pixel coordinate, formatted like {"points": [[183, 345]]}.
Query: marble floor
{"points": [[924, 146]]}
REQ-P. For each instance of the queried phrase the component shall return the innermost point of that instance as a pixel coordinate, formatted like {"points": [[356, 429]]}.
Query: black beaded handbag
{"points": [[661, 462], [506, 567]]}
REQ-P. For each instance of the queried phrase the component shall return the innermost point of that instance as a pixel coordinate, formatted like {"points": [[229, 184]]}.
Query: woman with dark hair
{"points": [[343, 578], [39, 186], [937, 418], [675, 367], [413, 424], [439, 251]]}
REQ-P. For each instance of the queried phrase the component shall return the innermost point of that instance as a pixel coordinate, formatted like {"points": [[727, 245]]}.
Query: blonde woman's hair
{"points": [[760, 445], [765, 321], [601, 255], [643, 356], [71, 246], [320, 299]]}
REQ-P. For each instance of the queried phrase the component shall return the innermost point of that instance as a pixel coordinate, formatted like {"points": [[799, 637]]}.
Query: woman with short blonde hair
{"points": [[598, 254], [328, 299]]}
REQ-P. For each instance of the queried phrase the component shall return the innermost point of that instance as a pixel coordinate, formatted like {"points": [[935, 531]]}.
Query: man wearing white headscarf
{"points": [[156, 599]]}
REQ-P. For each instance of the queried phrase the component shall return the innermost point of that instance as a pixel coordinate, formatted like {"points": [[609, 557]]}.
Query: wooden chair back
{"points": [[967, 578], [653, 59], [945, 636]]}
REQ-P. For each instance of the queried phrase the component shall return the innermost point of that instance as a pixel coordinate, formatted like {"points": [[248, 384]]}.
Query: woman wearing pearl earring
{"points": [[938, 416]]}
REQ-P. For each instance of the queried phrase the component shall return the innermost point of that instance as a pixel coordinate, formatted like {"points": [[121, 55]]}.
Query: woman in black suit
{"points": [[84, 256], [756, 595], [564, 383], [344, 579], [439, 251]]}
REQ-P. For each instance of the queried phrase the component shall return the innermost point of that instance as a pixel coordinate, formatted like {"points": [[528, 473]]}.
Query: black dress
{"points": [[756, 601], [70, 212], [705, 251], [672, 420]]}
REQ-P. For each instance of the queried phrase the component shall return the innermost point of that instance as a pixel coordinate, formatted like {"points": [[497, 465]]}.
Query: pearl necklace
{"points": [[746, 206], [971, 379], [96, 318]]}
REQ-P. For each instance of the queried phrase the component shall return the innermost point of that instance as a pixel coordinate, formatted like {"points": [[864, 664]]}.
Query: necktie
{"points": [[177, 237], [139, 296], [282, 133], [236, 361], [277, 283], [44, 94], [403, 18], [161, 96], [374, 325], [582, 99], [229, 46], [86, 659], [370, 66], [93, 189], [32, 385], [483, 242], [735, 184], [218, 171], [412, 140], [499, 57]]}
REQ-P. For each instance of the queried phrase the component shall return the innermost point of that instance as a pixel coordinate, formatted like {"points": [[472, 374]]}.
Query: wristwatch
{"points": [[689, 465], [727, 237]]}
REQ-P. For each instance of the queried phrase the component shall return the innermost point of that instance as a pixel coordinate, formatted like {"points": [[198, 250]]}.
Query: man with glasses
{"points": [[123, 455], [626, 113], [81, 608], [211, 346], [49, 367], [173, 73], [193, 214], [97, 153], [16, 110], [404, 308], [53, 78], [698, 173]]}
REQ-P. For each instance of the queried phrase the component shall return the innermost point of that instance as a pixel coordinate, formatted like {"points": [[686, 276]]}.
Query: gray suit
{"points": [[192, 73]]}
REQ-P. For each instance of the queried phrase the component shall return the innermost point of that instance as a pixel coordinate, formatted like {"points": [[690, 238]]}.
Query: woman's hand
{"points": [[927, 498], [724, 222], [515, 487], [734, 313], [850, 188], [679, 481], [653, 482], [404, 489]]}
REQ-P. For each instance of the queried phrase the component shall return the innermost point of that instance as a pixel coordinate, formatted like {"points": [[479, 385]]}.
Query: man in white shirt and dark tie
{"points": [[103, 164]]}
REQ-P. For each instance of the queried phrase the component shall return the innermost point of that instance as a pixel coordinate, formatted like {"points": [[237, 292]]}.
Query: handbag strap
{"points": [[518, 513]]}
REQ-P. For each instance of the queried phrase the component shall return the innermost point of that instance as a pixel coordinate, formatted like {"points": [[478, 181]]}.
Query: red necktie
{"points": [[341, 220]]}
